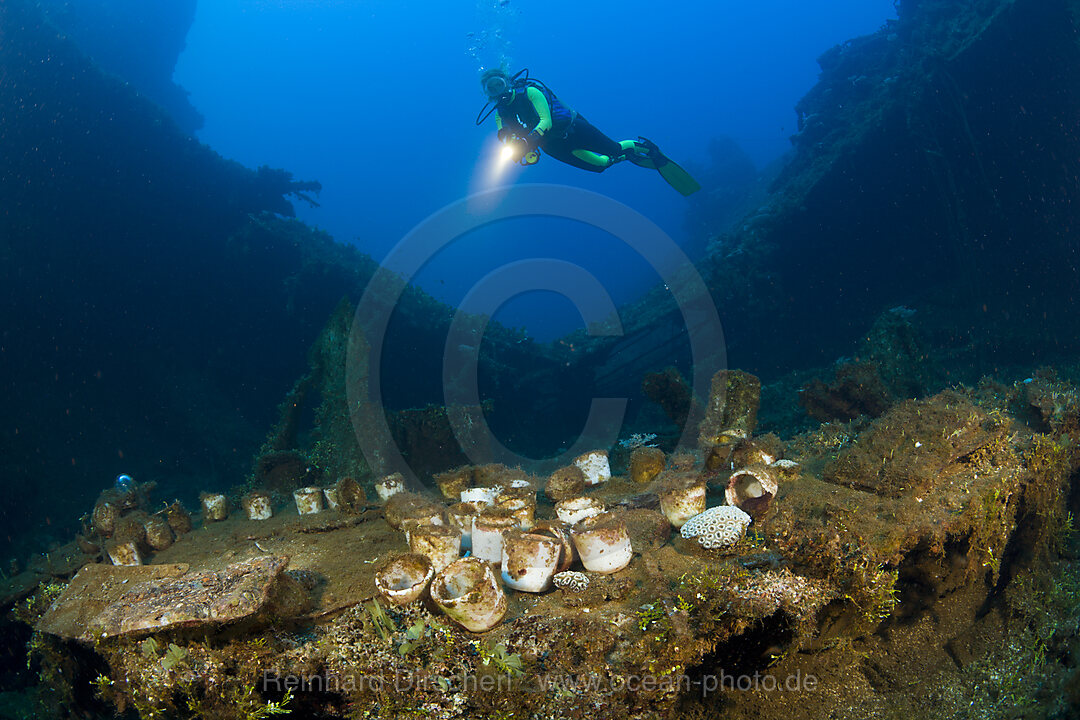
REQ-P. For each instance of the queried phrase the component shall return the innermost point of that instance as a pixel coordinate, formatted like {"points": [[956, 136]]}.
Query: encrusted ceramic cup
{"points": [[603, 543], [452, 482], [104, 518], [428, 517], [469, 593], [523, 509], [482, 495], [158, 533], [351, 498], [179, 518], [461, 516], [441, 544], [565, 483], [215, 506], [752, 489], [406, 505], [595, 466], [487, 534], [124, 553], [646, 463], [575, 510], [309, 500], [257, 505], [390, 486], [529, 561], [519, 487], [559, 531], [683, 502], [404, 579]]}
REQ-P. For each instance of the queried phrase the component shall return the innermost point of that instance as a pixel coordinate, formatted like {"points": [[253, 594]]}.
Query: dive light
{"points": [[516, 149]]}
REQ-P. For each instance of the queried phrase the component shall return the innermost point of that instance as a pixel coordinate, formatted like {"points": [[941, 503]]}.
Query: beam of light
{"points": [[495, 168]]}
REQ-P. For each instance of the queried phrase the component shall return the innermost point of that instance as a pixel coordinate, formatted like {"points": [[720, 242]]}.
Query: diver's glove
{"points": [[532, 141], [503, 134]]}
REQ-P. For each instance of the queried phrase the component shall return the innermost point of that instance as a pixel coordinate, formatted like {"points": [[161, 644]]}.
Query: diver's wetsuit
{"points": [[562, 133], [531, 113]]}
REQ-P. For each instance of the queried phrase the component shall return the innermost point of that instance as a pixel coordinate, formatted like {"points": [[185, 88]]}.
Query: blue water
{"points": [[377, 101], [162, 333], [135, 346]]}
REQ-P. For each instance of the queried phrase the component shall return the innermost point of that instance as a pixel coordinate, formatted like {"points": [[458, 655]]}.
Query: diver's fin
{"points": [[678, 178], [675, 176], [643, 153]]}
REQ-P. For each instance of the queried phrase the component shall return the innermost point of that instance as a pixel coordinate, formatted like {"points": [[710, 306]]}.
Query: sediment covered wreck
{"points": [[911, 549]]}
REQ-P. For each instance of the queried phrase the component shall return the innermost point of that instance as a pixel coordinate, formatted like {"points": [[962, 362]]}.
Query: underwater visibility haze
{"points": [[376, 101], [539, 360]]}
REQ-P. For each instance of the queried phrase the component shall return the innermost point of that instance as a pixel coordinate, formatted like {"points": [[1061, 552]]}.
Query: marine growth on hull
{"points": [[744, 576], [891, 536]]}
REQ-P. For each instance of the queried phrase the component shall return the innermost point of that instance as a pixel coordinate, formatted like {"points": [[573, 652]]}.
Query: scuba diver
{"points": [[531, 118]]}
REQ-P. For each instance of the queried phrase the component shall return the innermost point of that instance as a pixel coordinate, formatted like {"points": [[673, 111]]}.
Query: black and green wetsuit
{"points": [[530, 111], [535, 114]]}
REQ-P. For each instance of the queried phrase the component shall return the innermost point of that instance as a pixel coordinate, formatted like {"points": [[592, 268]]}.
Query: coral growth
{"points": [[922, 512], [717, 528]]}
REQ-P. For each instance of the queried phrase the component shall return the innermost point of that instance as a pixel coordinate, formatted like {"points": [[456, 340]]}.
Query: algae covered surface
{"points": [[948, 587], [894, 409]]}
